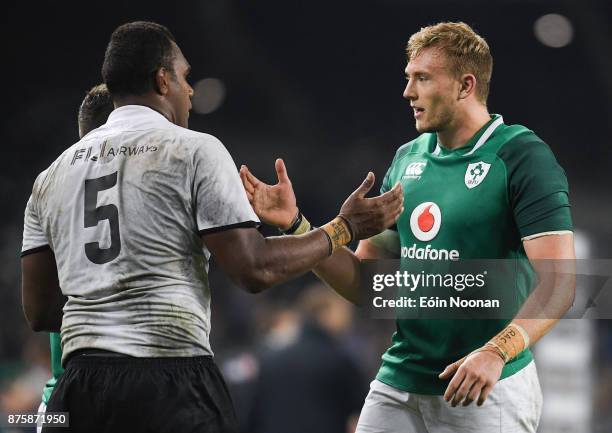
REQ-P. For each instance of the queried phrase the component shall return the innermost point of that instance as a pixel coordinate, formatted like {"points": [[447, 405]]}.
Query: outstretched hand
{"points": [[274, 204], [370, 216]]}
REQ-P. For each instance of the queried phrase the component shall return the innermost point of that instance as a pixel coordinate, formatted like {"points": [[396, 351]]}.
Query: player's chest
{"points": [[464, 192]]}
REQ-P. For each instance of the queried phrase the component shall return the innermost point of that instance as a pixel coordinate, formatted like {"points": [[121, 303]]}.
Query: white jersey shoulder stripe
{"points": [[481, 141], [538, 235]]}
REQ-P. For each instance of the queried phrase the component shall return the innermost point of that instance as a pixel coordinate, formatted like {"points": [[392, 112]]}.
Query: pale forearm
{"points": [[553, 259], [548, 302], [536, 328], [544, 307], [554, 262], [341, 271]]}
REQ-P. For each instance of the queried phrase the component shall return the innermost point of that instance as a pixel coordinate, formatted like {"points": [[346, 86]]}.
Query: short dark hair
{"points": [[136, 51], [95, 109]]}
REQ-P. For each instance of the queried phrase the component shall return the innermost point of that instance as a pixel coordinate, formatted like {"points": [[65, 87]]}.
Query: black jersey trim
{"points": [[35, 250], [244, 224]]}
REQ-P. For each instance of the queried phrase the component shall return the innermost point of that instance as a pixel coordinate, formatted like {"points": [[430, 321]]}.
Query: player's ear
{"points": [[467, 85], [161, 80]]}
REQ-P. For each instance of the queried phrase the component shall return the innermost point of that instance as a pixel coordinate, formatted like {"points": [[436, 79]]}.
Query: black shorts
{"points": [[152, 395]]}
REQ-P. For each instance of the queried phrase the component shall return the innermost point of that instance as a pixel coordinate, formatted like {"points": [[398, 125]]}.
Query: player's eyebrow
{"points": [[417, 73]]}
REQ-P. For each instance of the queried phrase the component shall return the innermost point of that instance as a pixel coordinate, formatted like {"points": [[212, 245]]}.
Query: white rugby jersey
{"points": [[123, 210]]}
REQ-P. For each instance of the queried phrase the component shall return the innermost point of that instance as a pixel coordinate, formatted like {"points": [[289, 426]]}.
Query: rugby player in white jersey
{"points": [[125, 221]]}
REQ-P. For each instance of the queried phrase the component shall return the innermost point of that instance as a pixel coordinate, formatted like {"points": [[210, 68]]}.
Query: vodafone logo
{"points": [[425, 221]]}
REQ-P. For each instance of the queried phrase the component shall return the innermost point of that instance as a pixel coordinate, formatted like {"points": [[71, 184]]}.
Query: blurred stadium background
{"points": [[318, 83]]}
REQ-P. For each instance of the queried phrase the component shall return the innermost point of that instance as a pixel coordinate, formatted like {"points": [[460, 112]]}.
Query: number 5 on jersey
{"points": [[94, 214]]}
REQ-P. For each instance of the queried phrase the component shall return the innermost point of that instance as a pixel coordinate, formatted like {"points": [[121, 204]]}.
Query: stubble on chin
{"points": [[423, 128]]}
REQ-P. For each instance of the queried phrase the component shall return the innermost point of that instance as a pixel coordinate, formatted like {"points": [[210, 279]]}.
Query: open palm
{"points": [[274, 204]]}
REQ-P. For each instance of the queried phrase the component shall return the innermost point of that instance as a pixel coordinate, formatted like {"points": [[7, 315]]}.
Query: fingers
{"points": [[394, 216], [393, 195], [281, 171], [463, 390], [472, 380], [454, 385], [484, 394], [365, 186], [391, 204], [451, 369], [398, 191], [396, 199], [248, 186], [249, 176], [474, 392]]}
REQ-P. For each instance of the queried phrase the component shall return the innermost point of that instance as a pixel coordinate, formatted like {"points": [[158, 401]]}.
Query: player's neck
{"points": [[463, 127], [152, 102]]}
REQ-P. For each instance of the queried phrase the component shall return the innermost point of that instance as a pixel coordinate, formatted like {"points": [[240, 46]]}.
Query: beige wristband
{"points": [[338, 232], [510, 342], [304, 227]]}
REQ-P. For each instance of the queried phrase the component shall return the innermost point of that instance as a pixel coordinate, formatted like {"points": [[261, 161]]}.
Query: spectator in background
{"points": [[307, 380], [20, 391]]}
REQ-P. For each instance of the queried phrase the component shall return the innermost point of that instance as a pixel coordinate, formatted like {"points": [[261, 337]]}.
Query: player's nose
{"points": [[409, 92]]}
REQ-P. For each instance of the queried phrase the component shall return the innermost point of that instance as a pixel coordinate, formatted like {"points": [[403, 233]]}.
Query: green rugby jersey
{"points": [[475, 202], [56, 365]]}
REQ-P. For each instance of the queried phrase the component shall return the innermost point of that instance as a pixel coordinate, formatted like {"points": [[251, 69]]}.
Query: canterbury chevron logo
{"points": [[414, 170]]}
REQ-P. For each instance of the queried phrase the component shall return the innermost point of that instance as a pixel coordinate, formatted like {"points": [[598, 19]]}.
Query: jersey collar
{"points": [[128, 114], [477, 141]]}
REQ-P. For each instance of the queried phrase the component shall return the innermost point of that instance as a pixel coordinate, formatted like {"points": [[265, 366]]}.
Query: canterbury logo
{"points": [[414, 170]]}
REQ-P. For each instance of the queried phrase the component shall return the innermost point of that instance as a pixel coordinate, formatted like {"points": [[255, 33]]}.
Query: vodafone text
{"points": [[429, 253]]}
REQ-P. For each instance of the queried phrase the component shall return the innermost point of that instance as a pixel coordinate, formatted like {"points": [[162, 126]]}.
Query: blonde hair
{"points": [[467, 51]]}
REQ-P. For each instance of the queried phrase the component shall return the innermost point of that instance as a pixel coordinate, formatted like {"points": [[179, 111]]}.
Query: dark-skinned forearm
{"points": [[280, 258]]}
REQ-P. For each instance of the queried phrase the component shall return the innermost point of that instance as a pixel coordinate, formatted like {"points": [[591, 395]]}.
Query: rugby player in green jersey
{"points": [[93, 112], [474, 188]]}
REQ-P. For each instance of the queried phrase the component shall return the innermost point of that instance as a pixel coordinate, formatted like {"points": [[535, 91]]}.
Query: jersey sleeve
{"points": [[388, 182], [220, 199], [388, 240], [537, 188], [34, 238]]}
